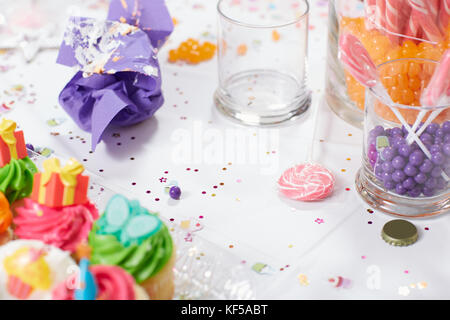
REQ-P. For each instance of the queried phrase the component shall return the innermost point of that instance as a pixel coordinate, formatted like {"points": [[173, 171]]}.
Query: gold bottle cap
{"points": [[399, 233]]}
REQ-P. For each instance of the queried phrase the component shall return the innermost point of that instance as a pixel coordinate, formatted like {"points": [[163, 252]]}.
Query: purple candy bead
{"points": [[416, 158], [409, 183], [431, 183], [398, 176], [389, 185], [431, 129], [410, 170], [426, 166], [400, 189], [428, 192], [387, 167], [175, 192], [398, 162], [415, 192], [446, 126], [388, 153], [439, 133], [421, 178], [427, 138], [397, 132], [435, 148], [437, 158], [440, 183], [446, 149], [404, 150], [436, 172]]}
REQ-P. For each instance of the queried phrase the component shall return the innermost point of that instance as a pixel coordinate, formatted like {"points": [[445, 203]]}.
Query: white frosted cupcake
{"points": [[30, 269]]}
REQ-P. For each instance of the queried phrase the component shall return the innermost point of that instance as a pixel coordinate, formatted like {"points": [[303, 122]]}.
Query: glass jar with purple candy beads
{"points": [[406, 158]]}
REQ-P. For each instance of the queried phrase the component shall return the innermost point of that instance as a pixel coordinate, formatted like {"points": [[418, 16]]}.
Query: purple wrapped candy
{"points": [[119, 82], [152, 17]]}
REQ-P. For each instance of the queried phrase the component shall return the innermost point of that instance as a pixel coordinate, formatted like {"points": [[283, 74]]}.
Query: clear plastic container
{"points": [[387, 36], [203, 269], [402, 173]]}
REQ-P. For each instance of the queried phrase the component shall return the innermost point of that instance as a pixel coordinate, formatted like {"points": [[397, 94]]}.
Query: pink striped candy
{"points": [[444, 14], [424, 11], [307, 182], [439, 83], [394, 19], [357, 60], [380, 13]]}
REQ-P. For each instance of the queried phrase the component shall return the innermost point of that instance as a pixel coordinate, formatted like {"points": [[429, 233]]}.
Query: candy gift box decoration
{"points": [[58, 212], [16, 168], [119, 82]]}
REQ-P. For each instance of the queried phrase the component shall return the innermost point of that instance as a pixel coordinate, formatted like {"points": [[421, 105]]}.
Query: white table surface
{"points": [[336, 237]]}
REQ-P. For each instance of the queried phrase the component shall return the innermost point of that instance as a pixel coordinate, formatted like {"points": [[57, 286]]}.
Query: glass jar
{"points": [[402, 173], [386, 37]]}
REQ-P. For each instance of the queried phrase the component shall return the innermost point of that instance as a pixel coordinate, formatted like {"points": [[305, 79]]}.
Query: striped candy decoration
{"points": [[423, 12], [394, 19], [444, 14]]}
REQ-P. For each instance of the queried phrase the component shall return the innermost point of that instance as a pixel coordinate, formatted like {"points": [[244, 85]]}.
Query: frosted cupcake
{"points": [[58, 212], [30, 269], [16, 168], [99, 283], [129, 236]]}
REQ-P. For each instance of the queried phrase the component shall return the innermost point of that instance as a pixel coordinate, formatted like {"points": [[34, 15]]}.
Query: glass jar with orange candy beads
{"points": [[389, 30]]}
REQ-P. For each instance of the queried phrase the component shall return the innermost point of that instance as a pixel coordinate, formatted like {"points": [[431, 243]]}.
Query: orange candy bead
{"points": [[192, 52]]}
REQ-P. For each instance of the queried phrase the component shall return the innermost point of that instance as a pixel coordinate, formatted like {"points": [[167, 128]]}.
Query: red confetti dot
{"points": [[426, 228], [148, 191], [347, 189], [156, 199], [203, 192], [172, 219], [188, 169], [200, 217], [133, 183]]}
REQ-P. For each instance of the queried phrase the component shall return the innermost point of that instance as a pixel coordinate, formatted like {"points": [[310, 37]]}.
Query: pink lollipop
{"points": [[357, 59], [307, 181]]}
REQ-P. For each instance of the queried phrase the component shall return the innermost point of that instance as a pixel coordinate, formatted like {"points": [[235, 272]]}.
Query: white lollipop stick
{"points": [[360, 65]]}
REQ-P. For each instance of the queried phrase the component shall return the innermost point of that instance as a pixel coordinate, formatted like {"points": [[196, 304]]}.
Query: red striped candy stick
{"points": [[394, 21], [380, 14], [444, 15], [370, 13], [422, 10]]}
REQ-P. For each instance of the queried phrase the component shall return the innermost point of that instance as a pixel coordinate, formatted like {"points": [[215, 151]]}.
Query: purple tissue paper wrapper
{"points": [[119, 81], [151, 16]]}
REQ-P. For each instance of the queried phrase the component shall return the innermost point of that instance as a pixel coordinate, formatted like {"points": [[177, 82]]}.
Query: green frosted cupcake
{"points": [[16, 179], [129, 236]]}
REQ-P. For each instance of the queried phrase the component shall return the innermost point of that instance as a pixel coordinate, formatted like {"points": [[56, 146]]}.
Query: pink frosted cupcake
{"points": [[58, 212], [109, 283], [65, 228]]}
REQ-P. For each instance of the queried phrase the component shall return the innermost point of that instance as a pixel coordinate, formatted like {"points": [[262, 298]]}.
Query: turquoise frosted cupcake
{"points": [[129, 236]]}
